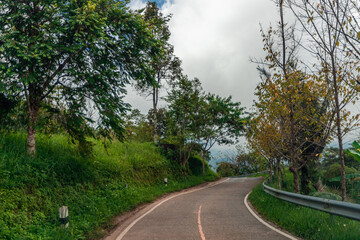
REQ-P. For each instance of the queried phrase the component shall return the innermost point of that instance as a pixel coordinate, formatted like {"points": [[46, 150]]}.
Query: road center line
{"points": [[122, 234], [199, 225]]}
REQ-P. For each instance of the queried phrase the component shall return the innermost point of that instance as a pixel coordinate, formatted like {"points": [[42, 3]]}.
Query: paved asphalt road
{"points": [[217, 212]]}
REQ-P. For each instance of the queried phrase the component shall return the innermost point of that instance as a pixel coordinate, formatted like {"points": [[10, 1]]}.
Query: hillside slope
{"points": [[95, 189]]}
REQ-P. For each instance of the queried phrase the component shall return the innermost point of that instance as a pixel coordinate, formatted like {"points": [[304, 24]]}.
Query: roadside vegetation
{"points": [[301, 221], [66, 135], [309, 79], [95, 189]]}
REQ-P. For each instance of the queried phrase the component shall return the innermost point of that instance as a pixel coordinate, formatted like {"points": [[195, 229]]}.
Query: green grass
{"points": [[32, 190], [301, 221]]}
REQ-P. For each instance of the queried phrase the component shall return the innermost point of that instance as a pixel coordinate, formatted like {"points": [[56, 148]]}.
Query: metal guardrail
{"points": [[344, 209]]}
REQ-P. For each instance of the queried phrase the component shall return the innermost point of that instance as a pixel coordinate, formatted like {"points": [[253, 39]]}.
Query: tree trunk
{"points": [[271, 172], [155, 101], [279, 173], [295, 173], [203, 161], [296, 182], [339, 132], [305, 188], [31, 129]]}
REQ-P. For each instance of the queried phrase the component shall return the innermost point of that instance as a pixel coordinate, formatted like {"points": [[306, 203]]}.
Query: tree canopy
{"points": [[73, 53]]}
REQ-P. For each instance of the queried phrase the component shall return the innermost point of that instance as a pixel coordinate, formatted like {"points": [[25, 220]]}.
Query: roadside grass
{"points": [[303, 222], [264, 175], [95, 189]]}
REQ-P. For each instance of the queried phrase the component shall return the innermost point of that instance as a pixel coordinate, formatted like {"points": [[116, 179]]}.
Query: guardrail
{"points": [[344, 209]]}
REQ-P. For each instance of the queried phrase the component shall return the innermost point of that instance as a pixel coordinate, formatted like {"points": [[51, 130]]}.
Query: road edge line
{"points": [[265, 223], [127, 229]]}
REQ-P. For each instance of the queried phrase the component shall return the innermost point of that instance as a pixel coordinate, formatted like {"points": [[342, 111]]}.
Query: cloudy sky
{"points": [[215, 39]]}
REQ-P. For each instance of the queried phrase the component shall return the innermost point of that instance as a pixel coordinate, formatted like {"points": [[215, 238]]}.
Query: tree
{"points": [[322, 28], [185, 102], [220, 121], [138, 127], [71, 53], [346, 13], [165, 68], [249, 161], [161, 118]]}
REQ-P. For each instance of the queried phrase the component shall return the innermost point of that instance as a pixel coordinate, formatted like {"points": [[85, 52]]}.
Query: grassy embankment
{"points": [[302, 221], [94, 189]]}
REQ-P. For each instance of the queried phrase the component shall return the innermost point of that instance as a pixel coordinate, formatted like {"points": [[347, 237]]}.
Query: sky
{"points": [[215, 40]]}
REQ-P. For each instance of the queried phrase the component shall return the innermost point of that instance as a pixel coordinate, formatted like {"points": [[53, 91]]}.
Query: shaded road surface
{"points": [[216, 212]]}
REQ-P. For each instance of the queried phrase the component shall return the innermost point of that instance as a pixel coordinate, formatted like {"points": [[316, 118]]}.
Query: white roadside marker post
{"points": [[64, 216], [165, 181]]}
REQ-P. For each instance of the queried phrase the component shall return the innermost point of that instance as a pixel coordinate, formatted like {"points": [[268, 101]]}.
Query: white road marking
{"points": [[122, 234], [265, 223]]}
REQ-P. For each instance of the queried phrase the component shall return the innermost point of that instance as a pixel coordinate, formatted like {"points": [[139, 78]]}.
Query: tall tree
{"points": [[185, 101], [292, 105], [73, 52], [165, 68], [220, 121], [322, 29]]}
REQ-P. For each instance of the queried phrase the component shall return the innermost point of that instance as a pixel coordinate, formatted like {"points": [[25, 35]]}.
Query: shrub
{"points": [[335, 171], [327, 195], [226, 169], [195, 166]]}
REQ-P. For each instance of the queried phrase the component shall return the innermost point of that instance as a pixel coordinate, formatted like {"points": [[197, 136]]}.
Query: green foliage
{"points": [[226, 169], [137, 127], [197, 118], [76, 55], [222, 121], [356, 152], [331, 156], [32, 189], [303, 222], [195, 166], [185, 100], [335, 171], [249, 161], [327, 195]]}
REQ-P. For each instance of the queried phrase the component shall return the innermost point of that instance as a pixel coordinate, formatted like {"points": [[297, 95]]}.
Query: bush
{"points": [[195, 166], [226, 169], [335, 171], [326, 195]]}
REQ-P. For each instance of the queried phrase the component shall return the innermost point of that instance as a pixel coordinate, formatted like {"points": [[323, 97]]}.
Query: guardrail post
{"points": [[332, 218]]}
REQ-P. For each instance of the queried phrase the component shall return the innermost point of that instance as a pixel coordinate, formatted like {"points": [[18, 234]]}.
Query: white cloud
{"points": [[137, 4], [215, 39]]}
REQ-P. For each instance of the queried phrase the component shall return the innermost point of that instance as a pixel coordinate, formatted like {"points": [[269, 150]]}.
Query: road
{"points": [[214, 212]]}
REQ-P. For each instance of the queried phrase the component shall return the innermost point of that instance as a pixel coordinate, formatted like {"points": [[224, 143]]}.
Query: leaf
{"points": [[356, 146]]}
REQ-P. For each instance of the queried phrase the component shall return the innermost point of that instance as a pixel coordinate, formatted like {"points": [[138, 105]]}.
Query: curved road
{"points": [[213, 212]]}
